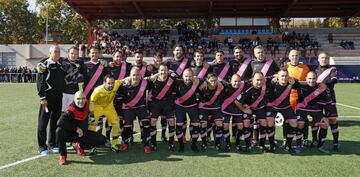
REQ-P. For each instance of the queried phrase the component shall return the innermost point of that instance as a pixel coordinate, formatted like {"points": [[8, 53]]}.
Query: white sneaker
{"points": [[55, 149], [44, 152]]}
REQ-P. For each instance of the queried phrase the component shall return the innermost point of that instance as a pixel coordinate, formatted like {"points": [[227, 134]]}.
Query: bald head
{"points": [[79, 99], [294, 57], [235, 81]]}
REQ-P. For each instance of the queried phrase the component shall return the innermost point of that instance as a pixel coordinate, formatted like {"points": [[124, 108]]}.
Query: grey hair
{"points": [[53, 48]]}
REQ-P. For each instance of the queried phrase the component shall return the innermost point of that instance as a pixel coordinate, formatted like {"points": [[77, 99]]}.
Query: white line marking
{"points": [[36, 157], [21, 161], [357, 108], [349, 116]]}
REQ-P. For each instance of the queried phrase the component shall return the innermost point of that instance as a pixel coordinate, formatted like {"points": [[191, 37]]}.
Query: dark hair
{"points": [[138, 51], [95, 48], [108, 76], [158, 54], [199, 51], [211, 75], [74, 48], [238, 47], [121, 52], [179, 45], [219, 51]]}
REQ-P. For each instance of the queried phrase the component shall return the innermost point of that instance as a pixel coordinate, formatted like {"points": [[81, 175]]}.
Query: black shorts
{"points": [[131, 114], [118, 106], [288, 113], [330, 111], [214, 113], [236, 119], [258, 113], [162, 108], [301, 115], [180, 114]]}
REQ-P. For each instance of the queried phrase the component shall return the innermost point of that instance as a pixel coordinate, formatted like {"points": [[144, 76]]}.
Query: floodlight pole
{"points": [[47, 23]]}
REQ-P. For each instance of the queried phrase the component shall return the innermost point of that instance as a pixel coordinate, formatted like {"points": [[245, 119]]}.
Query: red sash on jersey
{"points": [[122, 70], [325, 74], [182, 66], [142, 71], [203, 71], [188, 94], [224, 71], [262, 94], [243, 67], [93, 80], [266, 67], [231, 99], [281, 98], [213, 98], [79, 115], [310, 97], [165, 89], [138, 96]]}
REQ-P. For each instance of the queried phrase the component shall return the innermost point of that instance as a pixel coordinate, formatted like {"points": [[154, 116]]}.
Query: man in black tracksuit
{"points": [[73, 127], [50, 85]]}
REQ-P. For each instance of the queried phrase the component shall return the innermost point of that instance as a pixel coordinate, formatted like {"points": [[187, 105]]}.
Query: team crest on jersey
{"points": [[201, 116], [238, 97], [268, 113], [298, 117], [245, 115]]}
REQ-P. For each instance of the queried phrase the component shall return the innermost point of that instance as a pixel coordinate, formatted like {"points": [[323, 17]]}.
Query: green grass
{"points": [[18, 124]]}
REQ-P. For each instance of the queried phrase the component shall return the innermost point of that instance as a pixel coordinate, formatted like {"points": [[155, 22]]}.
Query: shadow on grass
{"points": [[135, 153], [348, 123]]}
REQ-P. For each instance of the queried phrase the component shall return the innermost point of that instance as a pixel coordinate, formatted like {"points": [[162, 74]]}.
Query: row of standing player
{"points": [[219, 67]]}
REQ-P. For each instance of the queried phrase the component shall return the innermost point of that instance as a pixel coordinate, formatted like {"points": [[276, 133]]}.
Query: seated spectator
{"points": [[330, 38]]}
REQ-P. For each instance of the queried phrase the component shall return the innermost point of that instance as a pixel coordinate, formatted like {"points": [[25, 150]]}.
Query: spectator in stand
{"points": [[330, 38]]}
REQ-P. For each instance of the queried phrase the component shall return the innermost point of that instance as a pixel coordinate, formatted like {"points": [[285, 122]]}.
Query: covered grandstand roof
{"points": [[154, 9]]}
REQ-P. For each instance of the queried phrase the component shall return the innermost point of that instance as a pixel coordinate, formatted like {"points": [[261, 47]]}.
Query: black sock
{"points": [[314, 132], [322, 136], [238, 137], [285, 130], [146, 136], [234, 130], [306, 129], [335, 133], [227, 136], [247, 136], [203, 134], [153, 133], [209, 129], [218, 135], [195, 132], [291, 133], [271, 136], [163, 123], [126, 135], [99, 127], [108, 131], [262, 136], [171, 135], [299, 136], [179, 133]]}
